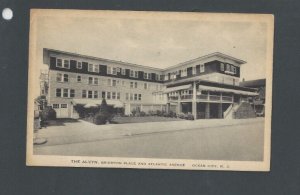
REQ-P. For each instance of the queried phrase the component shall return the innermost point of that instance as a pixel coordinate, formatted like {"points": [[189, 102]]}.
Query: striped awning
{"points": [[182, 87], [219, 89]]}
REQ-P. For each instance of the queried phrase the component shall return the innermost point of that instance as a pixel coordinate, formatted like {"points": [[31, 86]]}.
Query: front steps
{"points": [[240, 111]]}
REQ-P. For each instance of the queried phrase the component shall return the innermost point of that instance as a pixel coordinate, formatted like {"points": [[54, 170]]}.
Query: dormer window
{"points": [[222, 66], [79, 65], [194, 70], [202, 68], [66, 64], [131, 73], [59, 63]]}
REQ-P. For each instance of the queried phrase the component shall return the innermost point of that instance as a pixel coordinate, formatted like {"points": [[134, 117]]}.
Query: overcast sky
{"points": [[156, 43]]}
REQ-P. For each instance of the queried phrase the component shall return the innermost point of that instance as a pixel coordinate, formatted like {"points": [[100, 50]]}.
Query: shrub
{"points": [[133, 112], [172, 114], [158, 113], [190, 117], [104, 115], [48, 114], [181, 115], [100, 118], [142, 113]]}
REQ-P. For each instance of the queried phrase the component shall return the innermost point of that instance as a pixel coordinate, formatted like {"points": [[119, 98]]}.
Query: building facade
{"points": [[207, 87]]}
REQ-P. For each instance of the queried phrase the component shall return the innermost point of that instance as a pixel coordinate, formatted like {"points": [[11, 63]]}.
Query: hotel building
{"points": [[207, 87]]}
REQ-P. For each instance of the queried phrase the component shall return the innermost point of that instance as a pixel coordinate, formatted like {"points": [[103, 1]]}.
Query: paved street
{"points": [[201, 139]]}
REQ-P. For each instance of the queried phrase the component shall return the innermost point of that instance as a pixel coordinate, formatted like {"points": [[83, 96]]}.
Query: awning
{"points": [[182, 87], [92, 103], [218, 89]]}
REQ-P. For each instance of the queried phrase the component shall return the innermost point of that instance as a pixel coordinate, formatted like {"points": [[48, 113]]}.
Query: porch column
{"points": [[207, 110], [178, 103], [194, 101], [220, 111]]}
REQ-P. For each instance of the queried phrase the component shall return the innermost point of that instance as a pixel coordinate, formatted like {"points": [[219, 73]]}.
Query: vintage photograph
{"points": [[158, 90]]}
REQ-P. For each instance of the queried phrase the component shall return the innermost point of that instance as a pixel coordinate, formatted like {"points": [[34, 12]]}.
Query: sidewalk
{"points": [[83, 131]]}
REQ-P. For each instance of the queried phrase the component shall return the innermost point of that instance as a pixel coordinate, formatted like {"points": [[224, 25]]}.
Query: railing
{"points": [[202, 97], [214, 98], [205, 97], [227, 98], [173, 98], [186, 97]]}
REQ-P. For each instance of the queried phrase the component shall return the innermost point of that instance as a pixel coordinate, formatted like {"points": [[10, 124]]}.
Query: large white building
{"points": [[207, 87]]}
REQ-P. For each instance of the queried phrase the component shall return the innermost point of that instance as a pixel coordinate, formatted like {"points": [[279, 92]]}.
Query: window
{"points": [[59, 77], [96, 81], [64, 105], [149, 76], [131, 73], [90, 94], [127, 96], [234, 69], [103, 94], [131, 97], [166, 77], [79, 65], [184, 72], [145, 75], [66, 64], [66, 78], [55, 106], [90, 80], [108, 70], [90, 68], [114, 83], [123, 71], [95, 94], [78, 79], [108, 95], [156, 77], [140, 96], [136, 74], [113, 95], [145, 85], [118, 95], [135, 85], [58, 92], [109, 82], [59, 63], [135, 96], [227, 67], [202, 68], [194, 70], [114, 71], [131, 84], [65, 93], [96, 68], [118, 69], [83, 93], [222, 67], [72, 93]]}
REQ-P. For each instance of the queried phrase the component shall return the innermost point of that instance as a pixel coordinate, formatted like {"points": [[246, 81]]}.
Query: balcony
{"points": [[203, 97], [173, 98], [187, 97], [215, 98]]}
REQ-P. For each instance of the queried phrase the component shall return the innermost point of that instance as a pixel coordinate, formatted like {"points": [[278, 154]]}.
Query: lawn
{"points": [[132, 119]]}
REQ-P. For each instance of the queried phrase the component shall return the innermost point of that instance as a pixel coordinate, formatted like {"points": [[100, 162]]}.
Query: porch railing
{"points": [[186, 97], [173, 98], [204, 97], [227, 98]]}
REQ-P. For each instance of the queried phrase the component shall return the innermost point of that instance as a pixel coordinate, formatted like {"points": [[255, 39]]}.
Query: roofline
{"points": [[149, 67], [103, 59], [207, 56]]}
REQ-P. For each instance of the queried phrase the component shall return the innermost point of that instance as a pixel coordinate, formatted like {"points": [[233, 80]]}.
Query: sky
{"points": [[157, 43]]}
